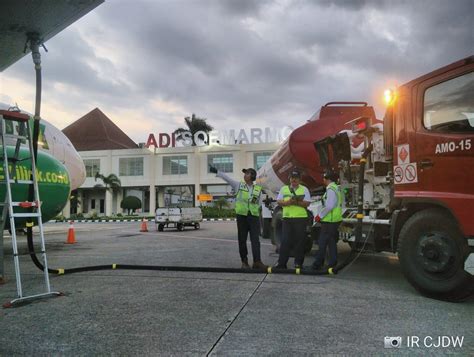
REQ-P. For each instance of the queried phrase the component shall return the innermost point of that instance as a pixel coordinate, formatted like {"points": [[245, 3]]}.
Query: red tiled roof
{"points": [[94, 131]]}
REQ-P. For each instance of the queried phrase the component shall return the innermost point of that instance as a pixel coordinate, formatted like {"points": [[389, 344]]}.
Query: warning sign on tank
{"points": [[403, 153], [406, 173]]}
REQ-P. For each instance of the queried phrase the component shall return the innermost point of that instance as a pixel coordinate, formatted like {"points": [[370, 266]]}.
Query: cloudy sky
{"points": [[239, 63]]}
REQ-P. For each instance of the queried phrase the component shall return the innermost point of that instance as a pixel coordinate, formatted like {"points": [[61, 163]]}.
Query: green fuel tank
{"points": [[53, 181]]}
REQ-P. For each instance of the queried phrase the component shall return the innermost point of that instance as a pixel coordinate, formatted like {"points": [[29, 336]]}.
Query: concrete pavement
{"points": [[126, 312]]}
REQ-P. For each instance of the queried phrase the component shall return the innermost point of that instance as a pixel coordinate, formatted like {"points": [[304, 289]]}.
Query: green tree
{"points": [[131, 203], [111, 182], [74, 201], [194, 124], [221, 203]]}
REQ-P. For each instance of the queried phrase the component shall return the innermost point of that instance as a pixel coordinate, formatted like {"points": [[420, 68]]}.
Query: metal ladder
{"points": [[24, 135]]}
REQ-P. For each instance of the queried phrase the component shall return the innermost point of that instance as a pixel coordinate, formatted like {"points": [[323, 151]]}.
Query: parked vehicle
{"points": [[409, 188], [178, 218]]}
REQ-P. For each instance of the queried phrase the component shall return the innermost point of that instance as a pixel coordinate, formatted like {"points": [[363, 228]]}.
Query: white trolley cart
{"points": [[178, 218]]}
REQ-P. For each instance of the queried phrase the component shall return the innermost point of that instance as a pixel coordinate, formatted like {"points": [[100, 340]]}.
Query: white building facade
{"points": [[165, 177]]}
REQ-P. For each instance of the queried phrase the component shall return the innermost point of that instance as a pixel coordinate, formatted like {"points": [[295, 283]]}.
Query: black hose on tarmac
{"points": [[268, 270]]}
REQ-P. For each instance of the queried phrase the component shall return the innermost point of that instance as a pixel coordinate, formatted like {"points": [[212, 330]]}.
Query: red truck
{"points": [[408, 184]]}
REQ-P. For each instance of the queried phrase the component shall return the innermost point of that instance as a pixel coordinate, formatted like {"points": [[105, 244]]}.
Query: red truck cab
{"points": [[433, 141], [429, 136]]}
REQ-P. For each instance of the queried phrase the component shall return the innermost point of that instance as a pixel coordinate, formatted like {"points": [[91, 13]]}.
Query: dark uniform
{"points": [[295, 219], [247, 209], [330, 218]]}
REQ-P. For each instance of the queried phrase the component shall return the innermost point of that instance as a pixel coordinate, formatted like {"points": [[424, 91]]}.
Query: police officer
{"points": [[247, 209], [294, 198], [330, 217]]}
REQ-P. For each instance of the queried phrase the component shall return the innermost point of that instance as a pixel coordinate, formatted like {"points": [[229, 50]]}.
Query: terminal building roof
{"points": [[95, 131]]}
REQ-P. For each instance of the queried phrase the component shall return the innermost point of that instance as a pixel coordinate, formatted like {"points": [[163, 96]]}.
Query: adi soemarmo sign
{"points": [[223, 137]]}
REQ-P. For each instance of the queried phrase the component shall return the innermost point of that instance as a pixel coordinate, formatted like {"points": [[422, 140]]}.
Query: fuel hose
{"points": [[360, 210]]}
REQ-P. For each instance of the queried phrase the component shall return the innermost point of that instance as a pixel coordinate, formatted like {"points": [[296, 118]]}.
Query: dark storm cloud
{"points": [[242, 7], [70, 62], [206, 57], [245, 62], [436, 32]]}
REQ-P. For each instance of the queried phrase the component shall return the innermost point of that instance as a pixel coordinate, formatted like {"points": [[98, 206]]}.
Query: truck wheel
{"points": [[196, 226], [432, 252], [179, 226], [161, 226]]}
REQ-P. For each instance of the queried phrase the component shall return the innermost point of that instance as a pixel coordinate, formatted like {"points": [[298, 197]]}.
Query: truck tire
{"points": [[432, 252], [180, 226], [161, 226], [197, 225]]}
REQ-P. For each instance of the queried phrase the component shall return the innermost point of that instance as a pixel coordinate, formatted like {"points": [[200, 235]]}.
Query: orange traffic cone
{"points": [[71, 236], [144, 227]]}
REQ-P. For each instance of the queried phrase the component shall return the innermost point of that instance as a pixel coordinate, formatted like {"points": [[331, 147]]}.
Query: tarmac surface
{"points": [[130, 312]]}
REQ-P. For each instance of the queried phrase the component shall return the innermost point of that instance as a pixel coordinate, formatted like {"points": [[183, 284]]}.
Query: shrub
{"points": [[77, 216], [214, 212], [131, 203]]}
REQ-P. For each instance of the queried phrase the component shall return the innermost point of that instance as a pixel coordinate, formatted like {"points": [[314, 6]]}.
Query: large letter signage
{"points": [[223, 137]]}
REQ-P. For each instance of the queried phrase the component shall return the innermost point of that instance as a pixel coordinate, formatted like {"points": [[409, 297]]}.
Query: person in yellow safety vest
{"points": [[330, 217], [294, 198], [247, 208]]}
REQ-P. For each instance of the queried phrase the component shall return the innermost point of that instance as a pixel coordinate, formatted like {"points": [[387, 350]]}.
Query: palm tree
{"points": [[111, 182], [74, 201], [194, 125]]}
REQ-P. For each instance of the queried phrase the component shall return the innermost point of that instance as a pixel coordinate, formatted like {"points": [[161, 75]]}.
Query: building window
{"points": [[92, 167], [260, 158], [178, 196], [175, 165], [222, 162], [131, 166], [448, 106]]}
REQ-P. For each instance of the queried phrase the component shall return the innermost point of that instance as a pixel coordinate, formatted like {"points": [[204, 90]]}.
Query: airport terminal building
{"points": [[163, 172]]}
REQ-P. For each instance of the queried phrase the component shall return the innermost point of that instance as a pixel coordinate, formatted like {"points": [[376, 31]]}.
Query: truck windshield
{"points": [[448, 106]]}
